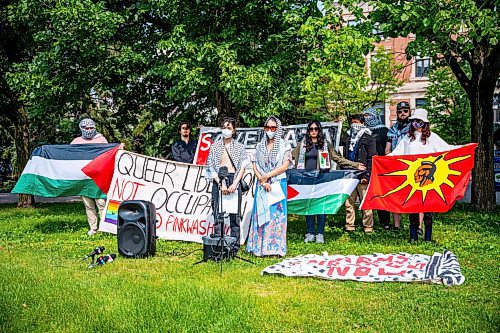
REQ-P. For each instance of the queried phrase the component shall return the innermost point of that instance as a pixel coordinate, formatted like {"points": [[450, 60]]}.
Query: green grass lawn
{"points": [[45, 287]]}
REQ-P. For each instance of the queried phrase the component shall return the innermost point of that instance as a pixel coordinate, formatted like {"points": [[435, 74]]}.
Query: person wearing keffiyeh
{"points": [[359, 146], [229, 153], [267, 235]]}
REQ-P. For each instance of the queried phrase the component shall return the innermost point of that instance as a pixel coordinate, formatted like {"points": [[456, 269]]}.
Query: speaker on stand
{"points": [[136, 229]]}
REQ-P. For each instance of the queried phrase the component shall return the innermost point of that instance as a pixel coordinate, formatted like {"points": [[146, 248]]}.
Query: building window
{"points": [[380, 106], [353, 23], [422, 67], [420, 102]]}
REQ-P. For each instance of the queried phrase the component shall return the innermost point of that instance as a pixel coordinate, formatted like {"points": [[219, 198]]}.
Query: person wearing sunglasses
{"points": [[420, 140], [267, 234], [183, 150], [359, 146], [396, 133], [229, 153], [306, 156]]}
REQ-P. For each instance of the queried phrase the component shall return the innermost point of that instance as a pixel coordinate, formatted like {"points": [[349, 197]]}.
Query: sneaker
{"points": [[368, 230], [309, 238], [91, 232], [320, 239], [420, 232]]}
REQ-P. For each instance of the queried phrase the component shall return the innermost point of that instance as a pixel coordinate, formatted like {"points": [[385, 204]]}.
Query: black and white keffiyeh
{"points": [[372, 119], [236, 151], [270, 158], [356, 132]]}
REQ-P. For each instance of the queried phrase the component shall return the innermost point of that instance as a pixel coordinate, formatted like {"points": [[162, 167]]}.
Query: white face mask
{"points": [[270, 134], [227, 133]]}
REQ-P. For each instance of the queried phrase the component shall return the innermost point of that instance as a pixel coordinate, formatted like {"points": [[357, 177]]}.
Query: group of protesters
{"points": [[367, 136]]}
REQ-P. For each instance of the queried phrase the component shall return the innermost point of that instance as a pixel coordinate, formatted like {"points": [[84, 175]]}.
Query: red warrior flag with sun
{"points": [[419, 183]]}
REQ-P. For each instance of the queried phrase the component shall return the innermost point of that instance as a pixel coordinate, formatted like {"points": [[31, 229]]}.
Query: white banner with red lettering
{"points": [[249, 137], [181, 194], [442, 268]]}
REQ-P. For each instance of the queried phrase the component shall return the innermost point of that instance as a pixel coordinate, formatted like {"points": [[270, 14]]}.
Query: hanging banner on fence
{"points": [[249, 137], [181, 194], [403, 267]]}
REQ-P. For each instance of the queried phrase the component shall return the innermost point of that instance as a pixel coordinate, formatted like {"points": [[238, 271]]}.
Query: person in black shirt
{"points": [[379, 133], [183, 150]]}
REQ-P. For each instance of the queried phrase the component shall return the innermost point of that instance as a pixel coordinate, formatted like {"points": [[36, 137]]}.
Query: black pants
{"points": [[414, 223], [234, 219], [384, 217]]}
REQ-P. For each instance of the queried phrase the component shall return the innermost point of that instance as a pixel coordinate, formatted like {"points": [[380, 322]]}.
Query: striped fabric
{"points": [[444, 268], [56, 171]]}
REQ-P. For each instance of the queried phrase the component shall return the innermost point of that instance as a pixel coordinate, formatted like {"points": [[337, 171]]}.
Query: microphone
{"points": [[97, 250], [102, 260], [223, 172]]}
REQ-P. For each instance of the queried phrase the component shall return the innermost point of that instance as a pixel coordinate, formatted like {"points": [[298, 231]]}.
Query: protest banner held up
{"points": [[180, 193], [249, 137]]}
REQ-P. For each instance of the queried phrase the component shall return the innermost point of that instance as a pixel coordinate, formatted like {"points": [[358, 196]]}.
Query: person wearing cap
{"points": [[379, 134], [420, 140], [90, 135], [183, 150], [397, 132]]}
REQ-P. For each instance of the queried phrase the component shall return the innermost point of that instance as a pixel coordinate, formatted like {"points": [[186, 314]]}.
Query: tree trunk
{"points": [[481, 102], [225, 108], [21, 141]]}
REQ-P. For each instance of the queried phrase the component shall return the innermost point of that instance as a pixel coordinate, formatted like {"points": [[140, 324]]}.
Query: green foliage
{"points": [[449, 107], [47, 288], [337, 81]]}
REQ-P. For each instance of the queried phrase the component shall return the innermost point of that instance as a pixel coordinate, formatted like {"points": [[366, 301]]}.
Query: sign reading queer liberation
{"points": [[249, 137], [403, 267], [180, 193]]}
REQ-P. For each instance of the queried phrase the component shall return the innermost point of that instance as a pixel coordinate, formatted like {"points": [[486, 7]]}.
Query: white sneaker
{"points": [[91, 232], [309, 238], [320, 239]]}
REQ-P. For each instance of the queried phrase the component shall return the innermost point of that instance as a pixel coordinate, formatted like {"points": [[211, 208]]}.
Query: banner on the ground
{"points": [[403, 267], [314, 192], [56, 170], [181, 194], [249, 137], [419, 183]]}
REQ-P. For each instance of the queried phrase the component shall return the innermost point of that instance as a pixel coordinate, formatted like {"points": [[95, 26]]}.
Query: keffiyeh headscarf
{"points": [[372, 120], [356, 132], [271, 158], [88, 134], [397, 132]]}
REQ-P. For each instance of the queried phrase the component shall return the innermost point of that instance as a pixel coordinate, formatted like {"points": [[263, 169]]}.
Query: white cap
{"points": [[420, 114]]}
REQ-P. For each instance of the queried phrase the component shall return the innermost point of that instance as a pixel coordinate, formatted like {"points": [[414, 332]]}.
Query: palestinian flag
{"points": [[314, 192], [56, 170], [419, 183]]}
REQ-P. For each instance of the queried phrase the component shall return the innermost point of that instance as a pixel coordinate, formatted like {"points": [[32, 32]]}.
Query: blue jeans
{"points": [[321, 224]]}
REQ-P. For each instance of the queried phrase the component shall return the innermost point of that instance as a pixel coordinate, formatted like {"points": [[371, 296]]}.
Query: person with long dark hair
{"points": [[229, 153], [306, 156], [267, 235], [420, 140]]}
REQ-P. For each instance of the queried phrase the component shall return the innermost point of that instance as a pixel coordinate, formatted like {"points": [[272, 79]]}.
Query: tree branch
{"points": [[462, 78]]}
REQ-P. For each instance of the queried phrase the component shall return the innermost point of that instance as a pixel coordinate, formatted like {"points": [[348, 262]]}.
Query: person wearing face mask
{"points": [[396, 133], [267, 235], [420, 140], [379, 133], [229, 153], [359, 146], [92, 206], [306, 156], [183, 150]]}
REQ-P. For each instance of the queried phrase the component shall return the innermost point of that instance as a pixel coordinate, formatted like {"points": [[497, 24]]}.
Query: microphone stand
{"points": [[221, 244]]}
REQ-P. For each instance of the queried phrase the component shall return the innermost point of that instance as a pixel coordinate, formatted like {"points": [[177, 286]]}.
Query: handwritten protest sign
{"points": [[249, 137], [181, 194]]}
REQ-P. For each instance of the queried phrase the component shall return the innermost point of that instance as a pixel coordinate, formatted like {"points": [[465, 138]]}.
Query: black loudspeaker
{"points": [[215, 248], [136, 229]]}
